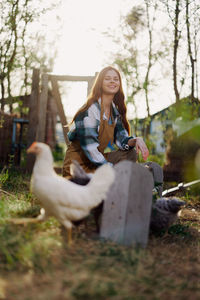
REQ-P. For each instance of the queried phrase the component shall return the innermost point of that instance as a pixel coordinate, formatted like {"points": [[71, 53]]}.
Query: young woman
{"points": [[100, 131]]}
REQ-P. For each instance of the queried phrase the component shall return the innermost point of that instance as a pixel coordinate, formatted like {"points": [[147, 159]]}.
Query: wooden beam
{"points": [[70, 78], [42, 109], [90, 83], [89, 87], [33, 116], [57, 97]]}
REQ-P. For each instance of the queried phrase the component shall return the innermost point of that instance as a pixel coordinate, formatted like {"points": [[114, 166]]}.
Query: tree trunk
{"points": [[2, 95], [176, 42], [192, 60], [146, 82]]}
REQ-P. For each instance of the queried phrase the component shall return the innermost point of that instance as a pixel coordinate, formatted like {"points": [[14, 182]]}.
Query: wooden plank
{"points": [[70, 78], [57, 97], [127, 209], [42, 109], [91, 82], [33, 116]]}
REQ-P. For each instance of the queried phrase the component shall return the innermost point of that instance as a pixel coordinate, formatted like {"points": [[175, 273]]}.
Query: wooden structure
{"points": [[44, 104], [55, 91], [38, 105]]}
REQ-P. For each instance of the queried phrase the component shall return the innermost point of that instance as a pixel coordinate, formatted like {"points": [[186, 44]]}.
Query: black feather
{"points": [[80, 181]]}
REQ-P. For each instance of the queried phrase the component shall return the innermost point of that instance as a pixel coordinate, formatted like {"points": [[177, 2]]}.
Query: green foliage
{"points": [[183, 140], [136, 62], [16, 181], [3, 176], [97, 290], [179, 229], [186, 109], [158, 158], [20, 52], [135, 19], [58, 153], [11, 242], [22, 247], [155, 157]]}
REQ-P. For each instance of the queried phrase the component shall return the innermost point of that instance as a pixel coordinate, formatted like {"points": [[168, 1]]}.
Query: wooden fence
{"points": [[6, 125]]}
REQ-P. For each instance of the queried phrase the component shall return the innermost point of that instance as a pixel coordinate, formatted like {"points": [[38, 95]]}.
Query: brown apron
{"points": [[75, 152]]}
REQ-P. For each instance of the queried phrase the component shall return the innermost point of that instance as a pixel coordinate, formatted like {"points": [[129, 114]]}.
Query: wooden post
{"points": [[42, 109], [127, 209], [90, 83], [57, 97], [89, 87], [33, 116]]}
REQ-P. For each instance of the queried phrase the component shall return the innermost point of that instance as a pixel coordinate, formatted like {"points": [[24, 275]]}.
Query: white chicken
{"points": [[61, 198]]}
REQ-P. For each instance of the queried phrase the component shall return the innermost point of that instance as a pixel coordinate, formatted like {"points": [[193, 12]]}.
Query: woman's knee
{"points": [[132, 155], [119, 155]]}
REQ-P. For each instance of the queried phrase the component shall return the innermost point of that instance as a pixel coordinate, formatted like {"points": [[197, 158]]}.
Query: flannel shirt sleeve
{"points": [[87, 133], [121, 135]]}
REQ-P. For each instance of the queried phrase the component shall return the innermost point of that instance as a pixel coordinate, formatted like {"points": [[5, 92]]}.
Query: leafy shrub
{"points": [[3, 176]]}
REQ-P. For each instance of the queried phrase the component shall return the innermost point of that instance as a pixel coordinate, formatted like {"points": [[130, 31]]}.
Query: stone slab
{"points": [[127, 209]]}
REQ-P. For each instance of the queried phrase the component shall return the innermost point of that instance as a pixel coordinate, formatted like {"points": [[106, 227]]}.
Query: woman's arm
{"points": [[139, 145]]}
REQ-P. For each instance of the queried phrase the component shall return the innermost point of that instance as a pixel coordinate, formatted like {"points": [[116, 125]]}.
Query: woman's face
{"points": [[111, 83]]}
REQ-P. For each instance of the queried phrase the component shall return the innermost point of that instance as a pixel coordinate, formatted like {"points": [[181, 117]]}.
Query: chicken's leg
{"points": [[66, 225], [69, 236]]}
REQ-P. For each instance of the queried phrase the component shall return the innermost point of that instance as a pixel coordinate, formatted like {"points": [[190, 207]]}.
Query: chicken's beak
{"points": [[32, 148]]}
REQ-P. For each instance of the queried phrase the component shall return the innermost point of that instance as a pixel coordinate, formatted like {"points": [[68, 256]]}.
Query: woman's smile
{"points": [[111, 82]]}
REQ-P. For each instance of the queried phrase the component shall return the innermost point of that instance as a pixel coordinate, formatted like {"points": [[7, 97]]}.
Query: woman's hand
{"points": [[139, 146]]}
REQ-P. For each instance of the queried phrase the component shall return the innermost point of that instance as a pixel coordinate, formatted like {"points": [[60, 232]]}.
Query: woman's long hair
{"points": [[96, 93]]}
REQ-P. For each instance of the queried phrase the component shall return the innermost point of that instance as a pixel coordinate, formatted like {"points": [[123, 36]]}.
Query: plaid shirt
{"points": [[86, 129]]}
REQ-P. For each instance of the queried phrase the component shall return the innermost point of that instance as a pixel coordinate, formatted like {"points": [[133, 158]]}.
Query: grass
{"points": [[35, 262]]}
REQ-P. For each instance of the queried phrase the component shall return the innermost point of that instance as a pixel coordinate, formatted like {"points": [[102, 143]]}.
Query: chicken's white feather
{"points": [[100, 182]]}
